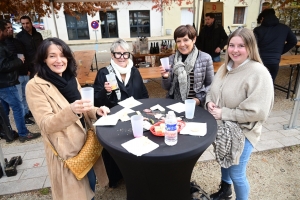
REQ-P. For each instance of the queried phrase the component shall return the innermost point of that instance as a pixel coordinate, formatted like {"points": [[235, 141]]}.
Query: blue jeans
{"points": [[236, 174], [9, 97], [216, 59], [92, 179], [23, 79]]}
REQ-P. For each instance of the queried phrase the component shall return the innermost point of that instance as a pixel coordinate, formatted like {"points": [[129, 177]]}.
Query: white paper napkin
{"points": [[129, 103], [123, 114], [139, 146], [109, 120], [177, 107], [193, 128]]}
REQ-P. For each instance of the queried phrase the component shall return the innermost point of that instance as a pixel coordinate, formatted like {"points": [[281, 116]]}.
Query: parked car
{"points": [[38, 25]]}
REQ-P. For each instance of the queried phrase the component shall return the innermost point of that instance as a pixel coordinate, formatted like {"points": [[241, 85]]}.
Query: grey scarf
{"points": [[181, 73]]}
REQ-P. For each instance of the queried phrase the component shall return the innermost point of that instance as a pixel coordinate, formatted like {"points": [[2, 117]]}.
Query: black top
{"points": [[210, 38], [9, 66], [273, 39], [135, 88], [111, 137]]}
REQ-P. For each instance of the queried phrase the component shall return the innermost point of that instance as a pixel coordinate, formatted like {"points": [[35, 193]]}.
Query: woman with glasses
{"points": [[191, 71], [129, 84]]}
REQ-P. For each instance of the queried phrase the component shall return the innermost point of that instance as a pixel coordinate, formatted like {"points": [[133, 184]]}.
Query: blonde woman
{"points": [[242, 91]]}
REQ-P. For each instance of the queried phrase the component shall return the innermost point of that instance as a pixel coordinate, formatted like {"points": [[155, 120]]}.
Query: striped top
{"points": [[192, 93]]}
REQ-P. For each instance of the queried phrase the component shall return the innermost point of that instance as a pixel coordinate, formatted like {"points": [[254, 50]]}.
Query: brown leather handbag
{"points": [[81, 164]]}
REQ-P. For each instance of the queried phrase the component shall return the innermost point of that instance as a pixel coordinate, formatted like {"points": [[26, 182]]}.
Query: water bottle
{"points": [[171, 129]]}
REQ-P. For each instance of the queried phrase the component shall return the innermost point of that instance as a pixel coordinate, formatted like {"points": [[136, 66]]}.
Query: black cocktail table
{"points": [[165, 172]]}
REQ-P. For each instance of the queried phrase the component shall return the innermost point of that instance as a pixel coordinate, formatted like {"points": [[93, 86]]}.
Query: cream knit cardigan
{"points": [[246, 95]]}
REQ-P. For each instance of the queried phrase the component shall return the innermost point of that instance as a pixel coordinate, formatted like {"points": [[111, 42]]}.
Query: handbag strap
{"points": [[88, 124]]}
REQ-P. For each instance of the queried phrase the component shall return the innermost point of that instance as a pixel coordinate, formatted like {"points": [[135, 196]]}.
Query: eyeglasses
{"points": [[118, 55]]}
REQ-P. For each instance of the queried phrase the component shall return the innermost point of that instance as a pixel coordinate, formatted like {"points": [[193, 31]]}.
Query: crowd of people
{"points": [[45, 70]]}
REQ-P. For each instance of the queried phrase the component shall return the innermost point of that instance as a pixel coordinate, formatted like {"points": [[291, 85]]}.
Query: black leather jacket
{"points": [[9, 66]]}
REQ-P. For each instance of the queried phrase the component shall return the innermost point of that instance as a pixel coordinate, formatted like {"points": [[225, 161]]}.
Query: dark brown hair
{"points": [[184, 30]]}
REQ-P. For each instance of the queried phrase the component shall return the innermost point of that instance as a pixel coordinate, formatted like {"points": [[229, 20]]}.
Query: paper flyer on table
{"points": [[129, 103], [139, 146], [177, 107], [194, 128], [109, 120]]}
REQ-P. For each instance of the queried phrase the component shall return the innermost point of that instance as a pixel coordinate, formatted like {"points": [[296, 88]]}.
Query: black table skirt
{"points": [[165, 172]]}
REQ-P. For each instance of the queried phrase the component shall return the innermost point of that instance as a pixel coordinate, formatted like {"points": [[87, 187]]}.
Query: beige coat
{"points": [[53, 114]]}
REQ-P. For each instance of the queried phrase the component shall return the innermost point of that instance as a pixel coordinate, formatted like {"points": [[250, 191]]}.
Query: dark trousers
{"points": [[113, 172], [273, 69], [5, 126]]}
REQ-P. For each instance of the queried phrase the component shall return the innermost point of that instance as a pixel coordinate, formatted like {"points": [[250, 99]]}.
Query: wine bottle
{"points": [[157, 47], [151, 48]]}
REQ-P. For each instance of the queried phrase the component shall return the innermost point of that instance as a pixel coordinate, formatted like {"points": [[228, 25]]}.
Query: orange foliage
{"points": [[41, 8]]}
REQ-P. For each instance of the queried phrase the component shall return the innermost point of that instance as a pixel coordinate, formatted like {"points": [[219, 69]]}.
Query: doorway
{"points": [[109, 24]]}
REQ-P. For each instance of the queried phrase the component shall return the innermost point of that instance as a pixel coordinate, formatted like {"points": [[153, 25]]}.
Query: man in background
{"points": [[273, 40], [17, 48], [9, 96], [31, 40], [212, 38]]}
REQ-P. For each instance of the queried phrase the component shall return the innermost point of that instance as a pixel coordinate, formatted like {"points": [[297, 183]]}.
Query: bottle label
{"points": [[171, 127]]}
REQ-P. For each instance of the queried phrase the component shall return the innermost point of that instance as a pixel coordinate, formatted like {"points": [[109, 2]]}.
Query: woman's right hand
{"points": [[211, 106], [163, 72], [80, 106], [107, 87]]}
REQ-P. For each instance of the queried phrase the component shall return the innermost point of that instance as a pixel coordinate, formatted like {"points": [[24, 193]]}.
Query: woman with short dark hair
{"points": [[191, 71]]}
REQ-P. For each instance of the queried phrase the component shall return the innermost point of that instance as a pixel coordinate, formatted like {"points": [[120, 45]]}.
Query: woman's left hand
{"points": [[103, 110], [217, 113]]}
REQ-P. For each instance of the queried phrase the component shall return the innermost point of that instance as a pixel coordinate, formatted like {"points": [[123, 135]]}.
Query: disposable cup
{"points": [[20, 55], [190, 105], [165, 63], [137, 125], [87, 93], [111, 78]]}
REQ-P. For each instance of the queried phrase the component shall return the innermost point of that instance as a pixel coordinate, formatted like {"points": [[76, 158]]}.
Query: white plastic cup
{"points": [[165, 63], [20, 55], [87, 93], [137, 125], [111, 78], [190, 105]]}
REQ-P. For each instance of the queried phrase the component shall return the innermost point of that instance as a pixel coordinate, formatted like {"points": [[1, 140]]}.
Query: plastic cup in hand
{"points": [[190, 105], [20, 55], [111, 78], [165, 63], [87, 93], [137, 125]]}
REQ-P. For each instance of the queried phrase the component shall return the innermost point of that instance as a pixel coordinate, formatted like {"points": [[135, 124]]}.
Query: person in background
{"points": [[242, 92], [53, 96], [212, 38], [16, 47], [273, 40], [130, 84], [10, 64], [191, 71], [31, 40]]}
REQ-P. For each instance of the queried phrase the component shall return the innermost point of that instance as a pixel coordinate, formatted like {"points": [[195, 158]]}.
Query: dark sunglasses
{"points": [[118, 55]]}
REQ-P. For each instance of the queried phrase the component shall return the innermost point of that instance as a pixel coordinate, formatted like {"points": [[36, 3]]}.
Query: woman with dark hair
{"points": [[53, 96], [191, 71]]}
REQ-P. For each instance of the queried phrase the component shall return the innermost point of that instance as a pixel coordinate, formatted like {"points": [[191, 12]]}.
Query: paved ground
{"points": [[33, 175]]}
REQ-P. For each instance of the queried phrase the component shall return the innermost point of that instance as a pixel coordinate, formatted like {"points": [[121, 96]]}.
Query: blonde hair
{"points": [[250, 44]]}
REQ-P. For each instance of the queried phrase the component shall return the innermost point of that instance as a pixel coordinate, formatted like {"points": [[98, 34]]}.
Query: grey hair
{"points": [[119, 43]]}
